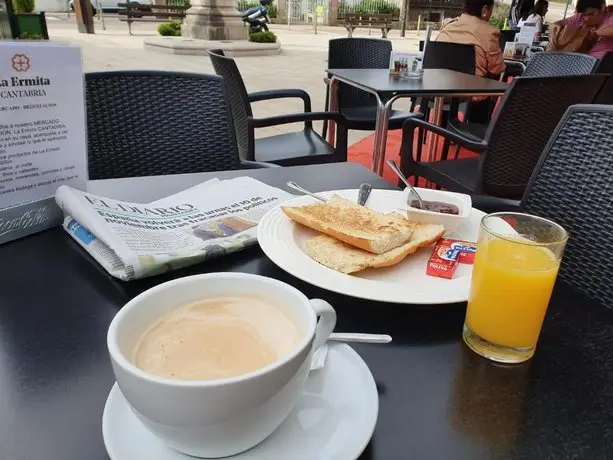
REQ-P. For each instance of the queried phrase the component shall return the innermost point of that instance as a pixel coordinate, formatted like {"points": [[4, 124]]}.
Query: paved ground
{"points": [[300, 65]]}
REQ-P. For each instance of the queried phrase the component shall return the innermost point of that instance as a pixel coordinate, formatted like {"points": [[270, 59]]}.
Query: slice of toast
{"points": [[344, 258], [355, 225]]}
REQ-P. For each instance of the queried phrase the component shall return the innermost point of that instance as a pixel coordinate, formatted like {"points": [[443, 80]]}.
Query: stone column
{"points": [[214, 20]]}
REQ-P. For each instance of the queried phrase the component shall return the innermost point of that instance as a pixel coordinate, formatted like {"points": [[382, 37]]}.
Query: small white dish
{"points": [[450, 221], [334, 419]]}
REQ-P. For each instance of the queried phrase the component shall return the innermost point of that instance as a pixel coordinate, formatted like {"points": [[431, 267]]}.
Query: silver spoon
{"points": [[364, 193], [359, 338], [295, 186], [402, 177]]}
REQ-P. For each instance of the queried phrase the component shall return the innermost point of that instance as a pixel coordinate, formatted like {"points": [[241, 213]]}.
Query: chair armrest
{"points": [[296, 118], [326, 80], [281, 94], [284, 93], [489, 204], [412, 123], [520, 69], [245, 164]]}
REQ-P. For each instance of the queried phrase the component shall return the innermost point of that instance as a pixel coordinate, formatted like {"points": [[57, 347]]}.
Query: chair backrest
{"points": [[451, 56], [529, 112], [357, 53], [559, 64], [237, 95], [605, 65], [572, 186], [506, 36], [605, 96], [145, 122]]}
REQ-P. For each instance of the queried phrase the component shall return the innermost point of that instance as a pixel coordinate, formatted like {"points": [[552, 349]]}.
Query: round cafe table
{"points": [[438, 400]]}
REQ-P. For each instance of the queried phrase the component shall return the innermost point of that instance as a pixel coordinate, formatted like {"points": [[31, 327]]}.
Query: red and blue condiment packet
{"points": [[447, 254]]}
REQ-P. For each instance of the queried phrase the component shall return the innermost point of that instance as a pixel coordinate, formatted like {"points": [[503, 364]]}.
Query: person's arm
{"points": [[495, 59], [606, 31]]}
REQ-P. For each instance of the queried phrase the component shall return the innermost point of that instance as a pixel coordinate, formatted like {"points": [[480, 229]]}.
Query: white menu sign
{"points": [[526, 34], [42, 121]]}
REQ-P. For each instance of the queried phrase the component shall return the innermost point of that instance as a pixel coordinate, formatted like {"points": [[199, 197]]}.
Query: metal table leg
{"points": [[381, 125], [437, 120], [332, 107], [437, 115]]}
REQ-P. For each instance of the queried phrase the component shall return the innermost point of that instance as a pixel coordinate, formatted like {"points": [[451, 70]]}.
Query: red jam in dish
{"points": [[436, 206]]}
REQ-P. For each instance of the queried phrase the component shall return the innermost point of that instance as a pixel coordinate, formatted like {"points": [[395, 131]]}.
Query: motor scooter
{"points": [[257, 17]]}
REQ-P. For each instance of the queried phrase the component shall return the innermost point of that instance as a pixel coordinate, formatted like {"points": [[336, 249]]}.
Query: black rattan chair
{"points": [[605, 66], [289, 149], [146, 123], [514, 140], [559, 64], [359, 107], [554, 64], [581, 146], [451, 56]]}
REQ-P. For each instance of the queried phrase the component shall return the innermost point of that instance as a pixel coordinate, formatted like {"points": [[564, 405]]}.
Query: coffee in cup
{"points": [[217, 338], [211, 411]]}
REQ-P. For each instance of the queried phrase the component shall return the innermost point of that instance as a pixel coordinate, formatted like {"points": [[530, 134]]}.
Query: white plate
{"points": [[284, 242], [334, 419]]}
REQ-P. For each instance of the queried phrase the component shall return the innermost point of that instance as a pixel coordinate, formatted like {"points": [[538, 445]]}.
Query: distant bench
{"points": [[135, 12], [369, 20]]}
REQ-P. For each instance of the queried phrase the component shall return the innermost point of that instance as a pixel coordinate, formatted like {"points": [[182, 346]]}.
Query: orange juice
{"points": [[510, 291]]}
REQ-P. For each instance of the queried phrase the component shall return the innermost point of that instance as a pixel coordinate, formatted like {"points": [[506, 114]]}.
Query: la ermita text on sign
{"points": [[42, 133], [23, 87]]}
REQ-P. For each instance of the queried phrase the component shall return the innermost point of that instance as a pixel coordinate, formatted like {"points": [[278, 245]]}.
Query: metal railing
{"points": [[370, 6]]}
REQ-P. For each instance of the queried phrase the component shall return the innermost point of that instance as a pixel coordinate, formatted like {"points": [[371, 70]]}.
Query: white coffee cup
{"points": [[216, 418]]}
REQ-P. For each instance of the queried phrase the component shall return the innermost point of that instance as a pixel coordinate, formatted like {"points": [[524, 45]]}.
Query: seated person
{"points": [[577, 33], [525, 9], [536, 15], [473, 28], [603, 29]]}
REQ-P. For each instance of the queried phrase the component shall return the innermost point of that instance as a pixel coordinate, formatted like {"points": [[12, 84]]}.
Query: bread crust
{"points": [[355, 225]]}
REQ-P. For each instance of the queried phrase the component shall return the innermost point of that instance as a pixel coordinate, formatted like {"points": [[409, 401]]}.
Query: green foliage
{"points": [[244, 5], [30, 36], [263, 37], [371, 6], [500, 14], [23, 6], [170, 29]]}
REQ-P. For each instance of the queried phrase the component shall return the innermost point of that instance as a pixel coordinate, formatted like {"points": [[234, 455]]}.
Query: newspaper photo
{"points": [[135, 240]]}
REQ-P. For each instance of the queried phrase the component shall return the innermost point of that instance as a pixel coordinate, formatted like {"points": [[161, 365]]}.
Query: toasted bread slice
{"points": [[356, 225], [344, 258]]}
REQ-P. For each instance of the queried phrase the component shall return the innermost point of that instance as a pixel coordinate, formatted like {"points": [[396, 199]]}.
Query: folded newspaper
{"points": [[135, 240]]}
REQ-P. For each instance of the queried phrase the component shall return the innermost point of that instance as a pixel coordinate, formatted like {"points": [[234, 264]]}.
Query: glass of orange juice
{"points": [[517, 261]]}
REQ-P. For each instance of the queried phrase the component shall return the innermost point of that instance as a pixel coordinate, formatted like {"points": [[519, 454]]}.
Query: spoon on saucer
{"points": [[318, 360], [402, 177], [359, 338]]}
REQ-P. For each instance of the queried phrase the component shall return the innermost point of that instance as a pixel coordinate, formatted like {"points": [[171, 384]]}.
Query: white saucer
{"points": [[334, 419]]}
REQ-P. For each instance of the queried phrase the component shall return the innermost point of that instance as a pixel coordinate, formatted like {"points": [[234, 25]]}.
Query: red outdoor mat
{"points": [[361, 152]]}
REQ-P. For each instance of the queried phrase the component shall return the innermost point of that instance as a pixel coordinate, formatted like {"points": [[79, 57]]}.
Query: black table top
{"points": [[435, 82], [438, 400]]}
